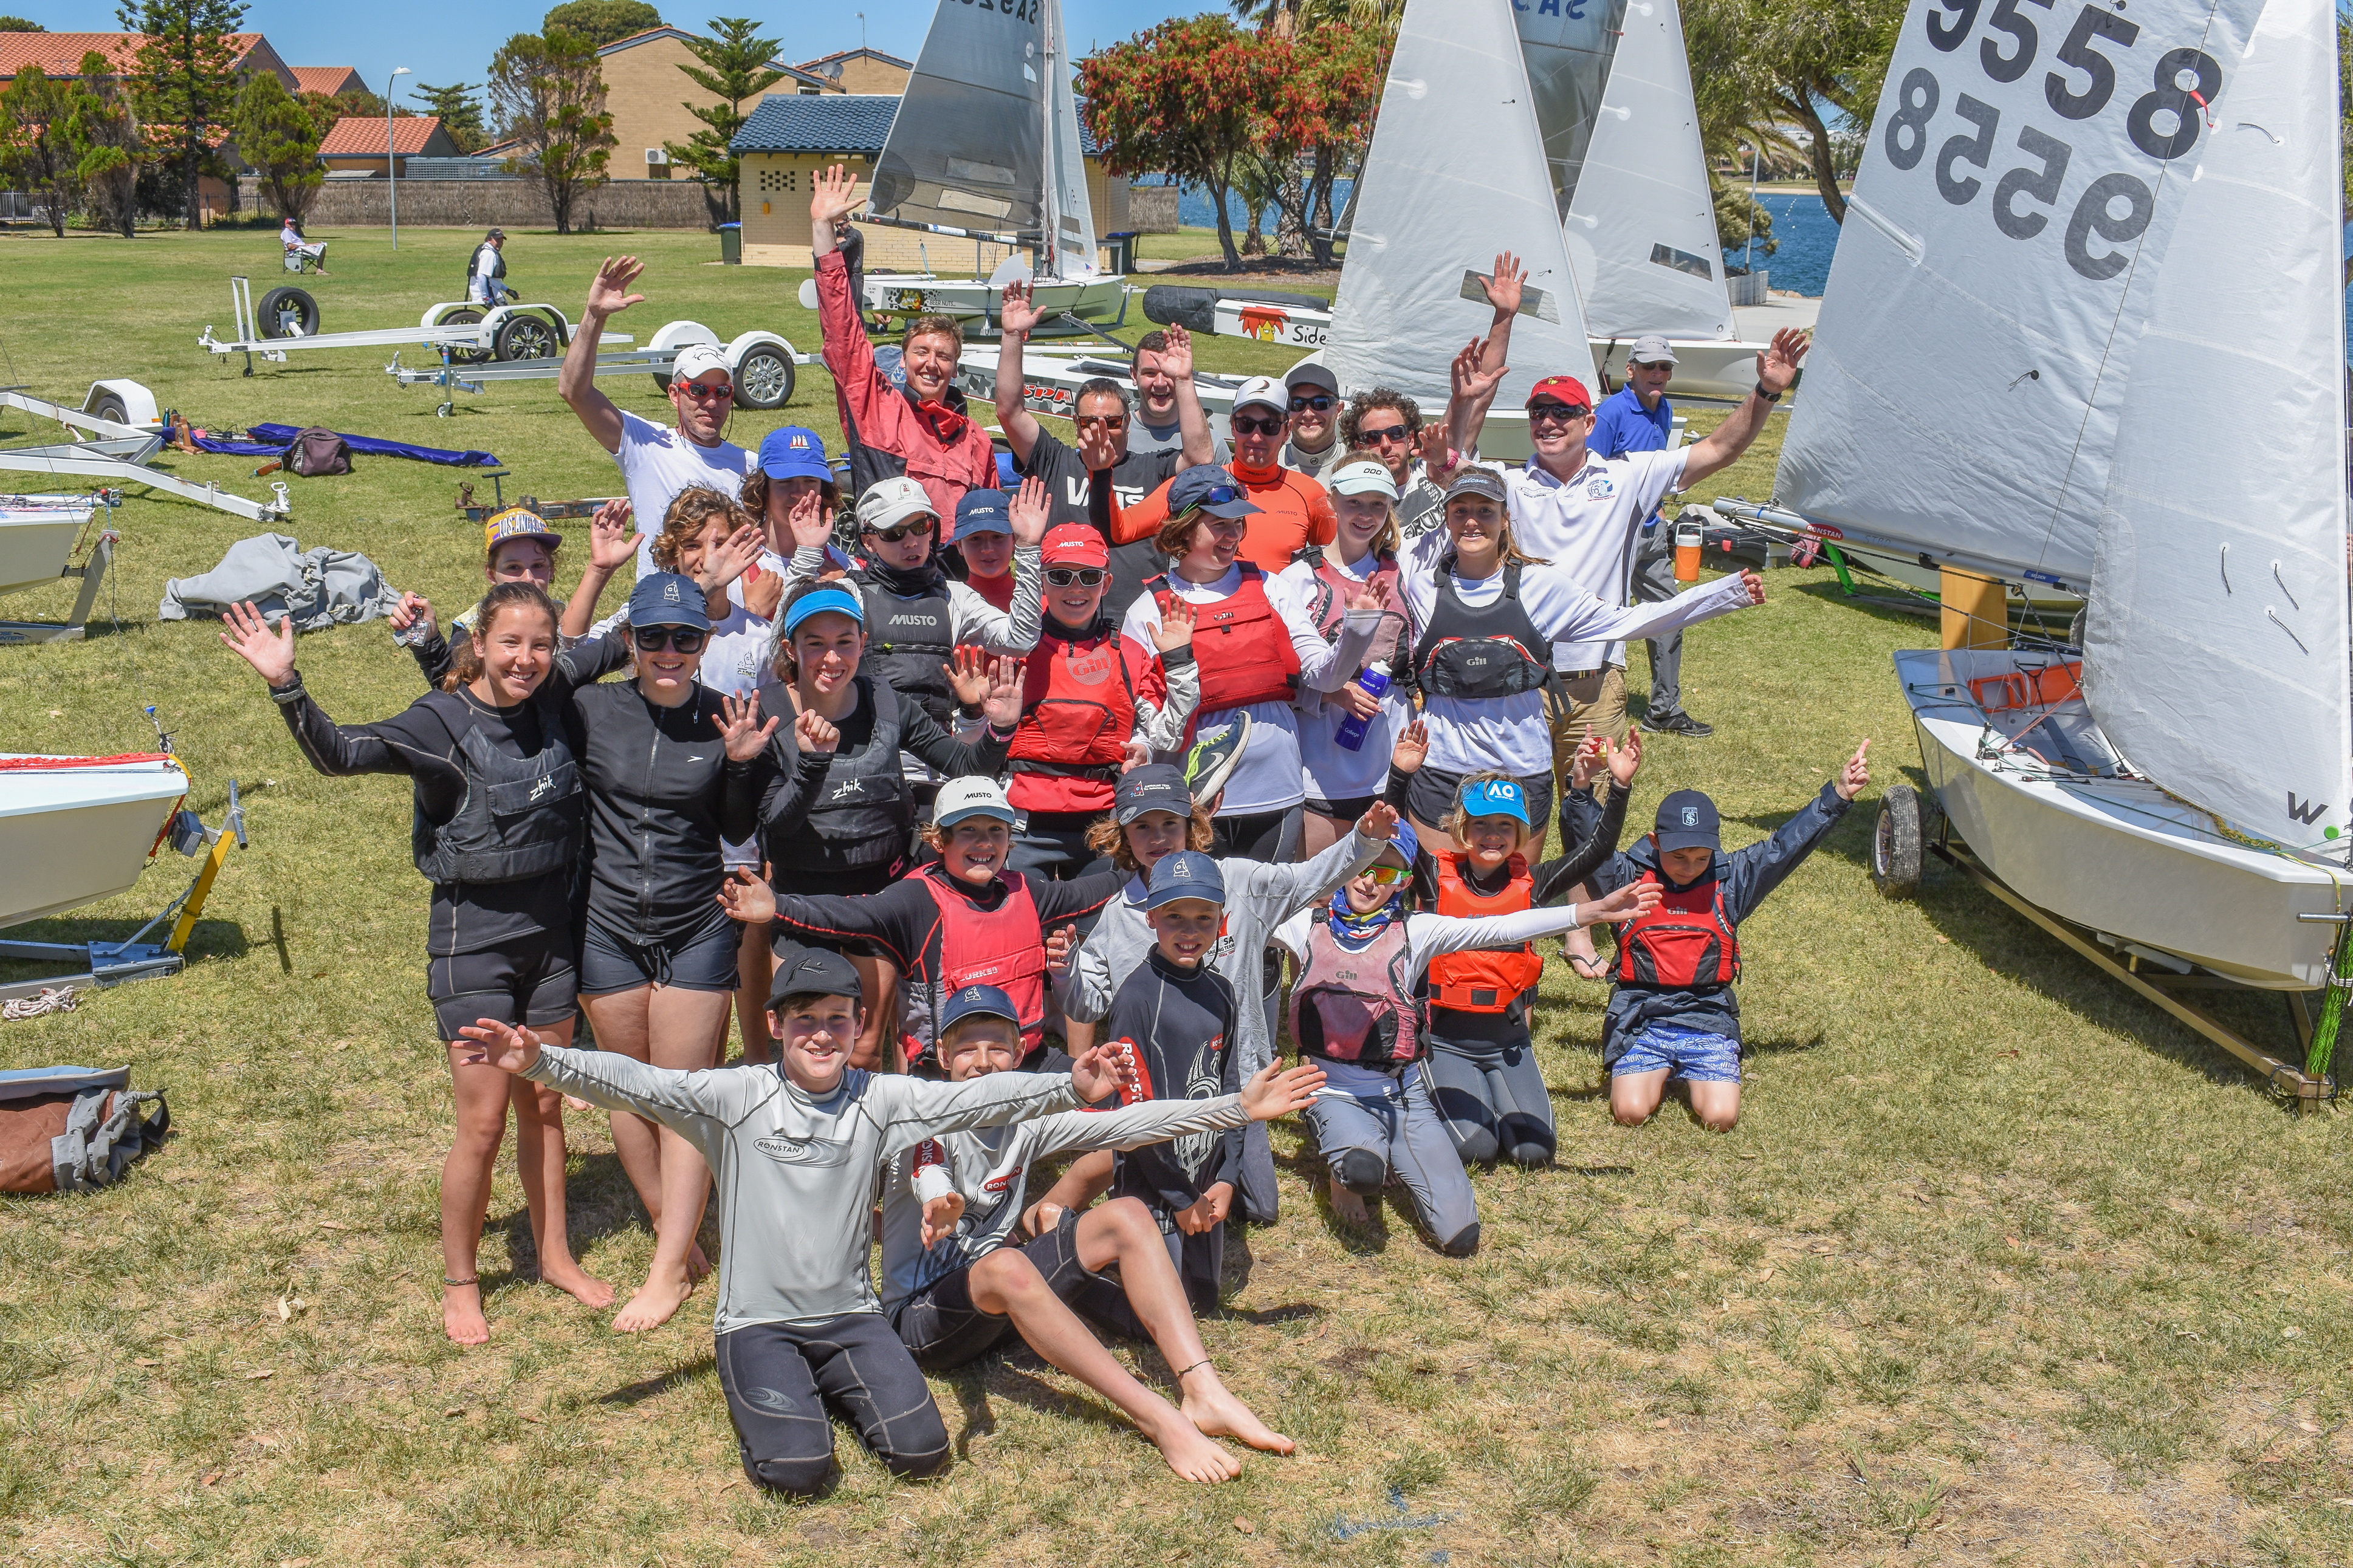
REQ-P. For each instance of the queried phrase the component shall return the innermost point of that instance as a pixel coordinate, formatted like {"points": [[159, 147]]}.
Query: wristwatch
{"points": [[1767, 396]]}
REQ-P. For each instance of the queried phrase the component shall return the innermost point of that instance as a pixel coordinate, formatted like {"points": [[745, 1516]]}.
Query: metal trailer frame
{"points": [[478, 337], [453, 377], [121, 453]]}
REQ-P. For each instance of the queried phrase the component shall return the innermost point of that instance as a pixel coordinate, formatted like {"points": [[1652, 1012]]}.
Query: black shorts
{"points": [[533, 983], [1347, 810], [1430, 797], [702, 959], [940, 1327]]}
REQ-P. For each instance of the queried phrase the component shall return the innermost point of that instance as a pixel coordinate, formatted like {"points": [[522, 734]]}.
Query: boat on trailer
{"points": [[74, 830]]}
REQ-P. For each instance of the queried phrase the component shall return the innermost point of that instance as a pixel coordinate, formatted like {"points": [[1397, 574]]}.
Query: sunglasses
{"points": [[1386, 876], [703, 393], [1555, 413], [1064, 577], [1384, 434], [920, 527], [1100, 421], [1246, 426], [653, 640], [1320, 402]]}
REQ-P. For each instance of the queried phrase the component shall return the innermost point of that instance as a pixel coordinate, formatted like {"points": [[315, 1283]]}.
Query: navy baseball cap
{"points": [[984, 511], [794, 453], [814, 972], [1687, 820], [1208, 488], [1187, 874], [667, 599], [978, 1002], [1156, 786]]}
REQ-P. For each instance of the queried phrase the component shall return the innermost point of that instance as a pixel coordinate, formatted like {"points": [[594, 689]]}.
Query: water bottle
{"points": [[1352, 730]]}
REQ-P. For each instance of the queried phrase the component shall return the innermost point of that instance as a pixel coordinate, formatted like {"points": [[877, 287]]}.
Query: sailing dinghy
{"points": [[2087, 331], [74, 830]]}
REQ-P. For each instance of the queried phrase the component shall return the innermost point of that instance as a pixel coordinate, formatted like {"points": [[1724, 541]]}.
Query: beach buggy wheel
{"points": [[528, 337], [763, 377], [470, 317], [1895, 842], [289, 313]]}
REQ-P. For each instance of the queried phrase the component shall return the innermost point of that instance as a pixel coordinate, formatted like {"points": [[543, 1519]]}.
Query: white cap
{"points": [[962, 798], [1263, 392], [699, 359], [889, 503], [1361, 477]]}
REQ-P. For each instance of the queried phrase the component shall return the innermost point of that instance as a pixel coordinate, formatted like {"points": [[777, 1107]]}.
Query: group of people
{"points": [[984, 806]]}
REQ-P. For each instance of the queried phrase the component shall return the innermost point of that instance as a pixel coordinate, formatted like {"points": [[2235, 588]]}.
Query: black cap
{"points": [[1687, 820], [1156, 786], [814, 972]]}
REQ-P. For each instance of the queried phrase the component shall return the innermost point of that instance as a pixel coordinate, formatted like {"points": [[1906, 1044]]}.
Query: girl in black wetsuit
{"points": [[499, 941]]}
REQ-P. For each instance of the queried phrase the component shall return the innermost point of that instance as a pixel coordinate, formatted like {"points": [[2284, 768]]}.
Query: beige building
{"points": [[647, 95], [791, 136], [862, 70]]}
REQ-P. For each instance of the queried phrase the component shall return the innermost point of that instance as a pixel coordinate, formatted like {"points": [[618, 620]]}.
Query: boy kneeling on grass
{"points": [[956, 1274], [799, 1147], [1673, 1017]]}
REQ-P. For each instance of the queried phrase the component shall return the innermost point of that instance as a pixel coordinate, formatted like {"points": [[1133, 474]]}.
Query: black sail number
{"points": [[2007, 18], [1916, 105], [1977, 149], [2186, 104], [2092, 217], [2041, 185], [1947, 36], [2077, 53]]}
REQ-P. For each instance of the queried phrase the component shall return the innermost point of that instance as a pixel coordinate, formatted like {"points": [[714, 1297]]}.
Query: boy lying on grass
{"points": [[956, 1275], [798, 1149]]}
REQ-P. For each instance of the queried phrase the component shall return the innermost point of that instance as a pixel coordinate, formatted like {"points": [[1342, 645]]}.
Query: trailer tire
{"points": [[469, 316], [281, 302], [1895, 842], [763, 377], [110, 406], [527, 337]]}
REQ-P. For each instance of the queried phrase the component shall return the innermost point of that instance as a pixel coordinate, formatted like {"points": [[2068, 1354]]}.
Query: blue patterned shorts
{"points": [[1689, 1056]]}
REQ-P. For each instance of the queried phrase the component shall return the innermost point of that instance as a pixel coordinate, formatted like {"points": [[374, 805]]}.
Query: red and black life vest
{"points": [[1688, 943], [1495, 649], [1485, 979], [1078, 709], [1358, 1005], [1240, 644], [1004, 947]]}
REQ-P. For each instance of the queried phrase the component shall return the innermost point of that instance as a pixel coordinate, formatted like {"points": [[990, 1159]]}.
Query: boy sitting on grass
{"points": [[798, 1149], [955, 1274], [1673, 1017]]}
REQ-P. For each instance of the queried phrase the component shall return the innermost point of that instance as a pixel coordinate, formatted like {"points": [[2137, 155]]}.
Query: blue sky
{"points": [[447, 40]]}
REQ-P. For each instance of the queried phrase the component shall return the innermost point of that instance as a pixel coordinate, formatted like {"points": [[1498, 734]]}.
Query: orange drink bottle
{"points": [[1687, 552]]}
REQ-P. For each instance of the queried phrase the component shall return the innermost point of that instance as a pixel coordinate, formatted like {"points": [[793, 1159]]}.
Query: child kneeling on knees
{"points": [[799, 1147], [1356, 1006], [957, 1274], [1673, 1017]]}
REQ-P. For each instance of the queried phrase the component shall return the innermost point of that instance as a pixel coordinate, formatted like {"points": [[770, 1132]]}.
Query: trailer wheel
{"points": [[662, 382], [467, 317], [110, 406], [289, 313], [763, 377], [1895, 842], [527, 337]]}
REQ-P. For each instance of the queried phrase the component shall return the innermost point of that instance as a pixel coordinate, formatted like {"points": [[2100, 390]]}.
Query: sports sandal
{"points": [[1216, 753]]}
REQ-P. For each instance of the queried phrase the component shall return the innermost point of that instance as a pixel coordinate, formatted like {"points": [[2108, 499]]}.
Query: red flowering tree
{"points": [[1322, 92], [1186, 99]]}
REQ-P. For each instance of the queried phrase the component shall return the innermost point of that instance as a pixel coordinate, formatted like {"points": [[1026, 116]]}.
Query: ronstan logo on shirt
{"points": [[802, 1151]]}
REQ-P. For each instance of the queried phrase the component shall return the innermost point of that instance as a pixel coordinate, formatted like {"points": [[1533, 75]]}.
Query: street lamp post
{"points": [[391, 167]]}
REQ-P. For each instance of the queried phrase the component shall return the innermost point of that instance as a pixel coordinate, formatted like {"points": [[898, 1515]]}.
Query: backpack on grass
{"points": [[317, 450], [74, 1129]]}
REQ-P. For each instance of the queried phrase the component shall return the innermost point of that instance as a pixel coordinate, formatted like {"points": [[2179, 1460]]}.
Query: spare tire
{"points": [[1895, 842], [471, 316], [287, 313], [764, 378]]}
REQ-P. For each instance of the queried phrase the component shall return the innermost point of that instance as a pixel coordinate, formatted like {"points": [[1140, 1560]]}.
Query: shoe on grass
{"points": [[1216, 752], [1682, 724]]}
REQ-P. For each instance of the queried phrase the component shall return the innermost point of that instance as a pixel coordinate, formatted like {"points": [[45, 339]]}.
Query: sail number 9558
{"points": [[2163, 122]]}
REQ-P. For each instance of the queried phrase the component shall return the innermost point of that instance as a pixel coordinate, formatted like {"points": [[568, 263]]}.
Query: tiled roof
{"points": [[60, 54], [357, 136], [332, 80], [818, 64], [850, 123], [792, 72]]}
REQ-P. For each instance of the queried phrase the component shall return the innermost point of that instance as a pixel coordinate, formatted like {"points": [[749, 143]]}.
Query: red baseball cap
{"points": [[1073, 544], [1561, 389]]}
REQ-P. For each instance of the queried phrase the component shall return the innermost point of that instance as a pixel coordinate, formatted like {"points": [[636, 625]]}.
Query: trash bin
{"points": [[1123, 251], [730, 244]]}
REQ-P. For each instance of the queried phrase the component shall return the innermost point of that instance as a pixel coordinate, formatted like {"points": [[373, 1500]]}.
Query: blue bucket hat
{"points": [[667, 599], [794, 453], [1497, 797]]}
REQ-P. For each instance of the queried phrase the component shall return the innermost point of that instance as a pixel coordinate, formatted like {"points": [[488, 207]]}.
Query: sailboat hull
{"points": [[70, 836], [1717, 368], [1095, 301], [2119, 856], [36, 542]]}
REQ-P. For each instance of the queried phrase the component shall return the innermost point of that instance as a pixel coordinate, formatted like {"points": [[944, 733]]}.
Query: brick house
{"points": [[332, 81], [647, 95], [862, 70]]}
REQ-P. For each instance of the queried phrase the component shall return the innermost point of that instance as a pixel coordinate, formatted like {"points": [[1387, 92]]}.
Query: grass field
{"points": [[2001, 1265]]}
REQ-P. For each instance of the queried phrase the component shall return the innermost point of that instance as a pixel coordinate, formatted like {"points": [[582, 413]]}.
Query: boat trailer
{"points": [[515, 332], [121, 450]]}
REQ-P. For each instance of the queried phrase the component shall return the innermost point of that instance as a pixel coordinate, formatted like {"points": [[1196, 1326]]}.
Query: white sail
{"points": [[1069, 222], [1641, 227], [965, 149], [1566, 45], [2021, 180], [2215, 657], [1427, 212]]}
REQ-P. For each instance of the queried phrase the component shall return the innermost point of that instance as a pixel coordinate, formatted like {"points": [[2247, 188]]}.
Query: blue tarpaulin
{"points": [[273, 440]]}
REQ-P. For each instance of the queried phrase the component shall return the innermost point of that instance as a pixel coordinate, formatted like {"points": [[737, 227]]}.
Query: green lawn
{"points": [[2000, 1267]]}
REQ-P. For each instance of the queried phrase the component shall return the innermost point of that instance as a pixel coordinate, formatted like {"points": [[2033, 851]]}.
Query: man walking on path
{"points": [[1639, 418]]}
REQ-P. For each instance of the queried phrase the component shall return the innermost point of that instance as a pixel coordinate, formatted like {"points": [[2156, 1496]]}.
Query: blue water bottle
{"points": [[1352, 730]]}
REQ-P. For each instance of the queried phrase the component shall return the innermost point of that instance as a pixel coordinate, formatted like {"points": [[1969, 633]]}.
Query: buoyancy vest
{"points": [[1495, 650], [1486, 980], [1004, 947], [1240, 646], [909, 642], [519, 817], [1687, 944], [1078, 708], [1358, 1005], [1328, 607], [865, 814]]}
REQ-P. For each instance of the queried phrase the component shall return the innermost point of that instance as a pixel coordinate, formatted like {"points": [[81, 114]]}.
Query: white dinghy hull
{"points": [[2119, 856], [72, 836], [36, 544], [1098, 302]]}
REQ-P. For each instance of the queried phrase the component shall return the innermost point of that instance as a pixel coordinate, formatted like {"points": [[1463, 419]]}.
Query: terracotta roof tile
{"points": [[358, 136]]}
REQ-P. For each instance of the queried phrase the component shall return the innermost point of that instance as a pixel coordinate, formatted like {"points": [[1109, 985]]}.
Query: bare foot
{"points": [[1217, 1413], [1190, 1454], [652, 1305], [461, 1315], [1348, 1208], [574, 1281]]}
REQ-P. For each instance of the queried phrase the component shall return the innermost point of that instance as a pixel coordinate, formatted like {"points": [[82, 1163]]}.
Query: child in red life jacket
{"points": [[1673, 1016], [1355, 1007], [963, 920]]}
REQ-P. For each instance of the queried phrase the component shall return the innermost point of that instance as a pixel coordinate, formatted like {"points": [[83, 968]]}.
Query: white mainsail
{"points": [[1641, 227], [2216, 652], [2022, 177], [1070, 221], [1426, 212], [1568, 44]]}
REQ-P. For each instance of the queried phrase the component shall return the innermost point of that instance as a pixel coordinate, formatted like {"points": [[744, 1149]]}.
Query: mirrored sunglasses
{"points": [[1064, 577], [1386, 876], [1555, 413], [1320, 403], [920, 527], [703, 393]]}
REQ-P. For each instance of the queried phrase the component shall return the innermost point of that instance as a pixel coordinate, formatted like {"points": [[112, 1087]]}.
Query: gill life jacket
{"points": [[1358, 1005], [519, 817], [1328, 607], [1687, 944], [1240, 646], [1004, 947], [1487, 980], [1078, 710], [1493, 651]]}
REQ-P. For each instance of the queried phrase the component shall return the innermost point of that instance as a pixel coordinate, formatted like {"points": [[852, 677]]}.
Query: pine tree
{"points": [[602, 22], [736, 69], [184, 80], [460, 113]]}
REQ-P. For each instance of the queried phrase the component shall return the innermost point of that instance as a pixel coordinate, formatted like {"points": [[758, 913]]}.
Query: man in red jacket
{"points": [[923, 432]]}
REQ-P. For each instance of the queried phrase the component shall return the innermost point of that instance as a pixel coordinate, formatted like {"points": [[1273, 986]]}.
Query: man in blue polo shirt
{"points": [[1638, 418]]}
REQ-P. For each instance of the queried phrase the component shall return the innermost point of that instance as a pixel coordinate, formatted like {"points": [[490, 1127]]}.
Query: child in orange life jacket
{"points": [[1674, 1015], [1357, 1008]]}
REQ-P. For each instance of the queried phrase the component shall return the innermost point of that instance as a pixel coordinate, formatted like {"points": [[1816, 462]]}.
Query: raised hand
{"points": [[939, 1216], [612, 539], [1029, 511], [1470, 381], [808, 522], [746, 897], [1438, 462], [1134, 755], [1412, 747], [1002, 705], [1855, 774], [1379, 821], [1373, 595], [1272, 1092], [412, 609], [1633, 898], [270, 654], [1175, 627], [740, 727], [833, 195], [1776, 363], [813, 734], [1061, 946], [1506, 287], [1017, 310], [609, 293], [1592, 756], [1627, 760], [737, 554], [1176, 358], [1097, 1073], [1756, 587], [501, 1046], [967, 671]]}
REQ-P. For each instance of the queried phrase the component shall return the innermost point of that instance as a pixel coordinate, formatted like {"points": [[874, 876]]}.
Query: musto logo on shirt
{"points": [[788, 1151]]}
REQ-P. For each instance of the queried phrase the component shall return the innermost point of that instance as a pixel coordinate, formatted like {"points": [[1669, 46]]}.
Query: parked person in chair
{"points": [[290, 236], [1638, 417], [1673, 1017]]}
